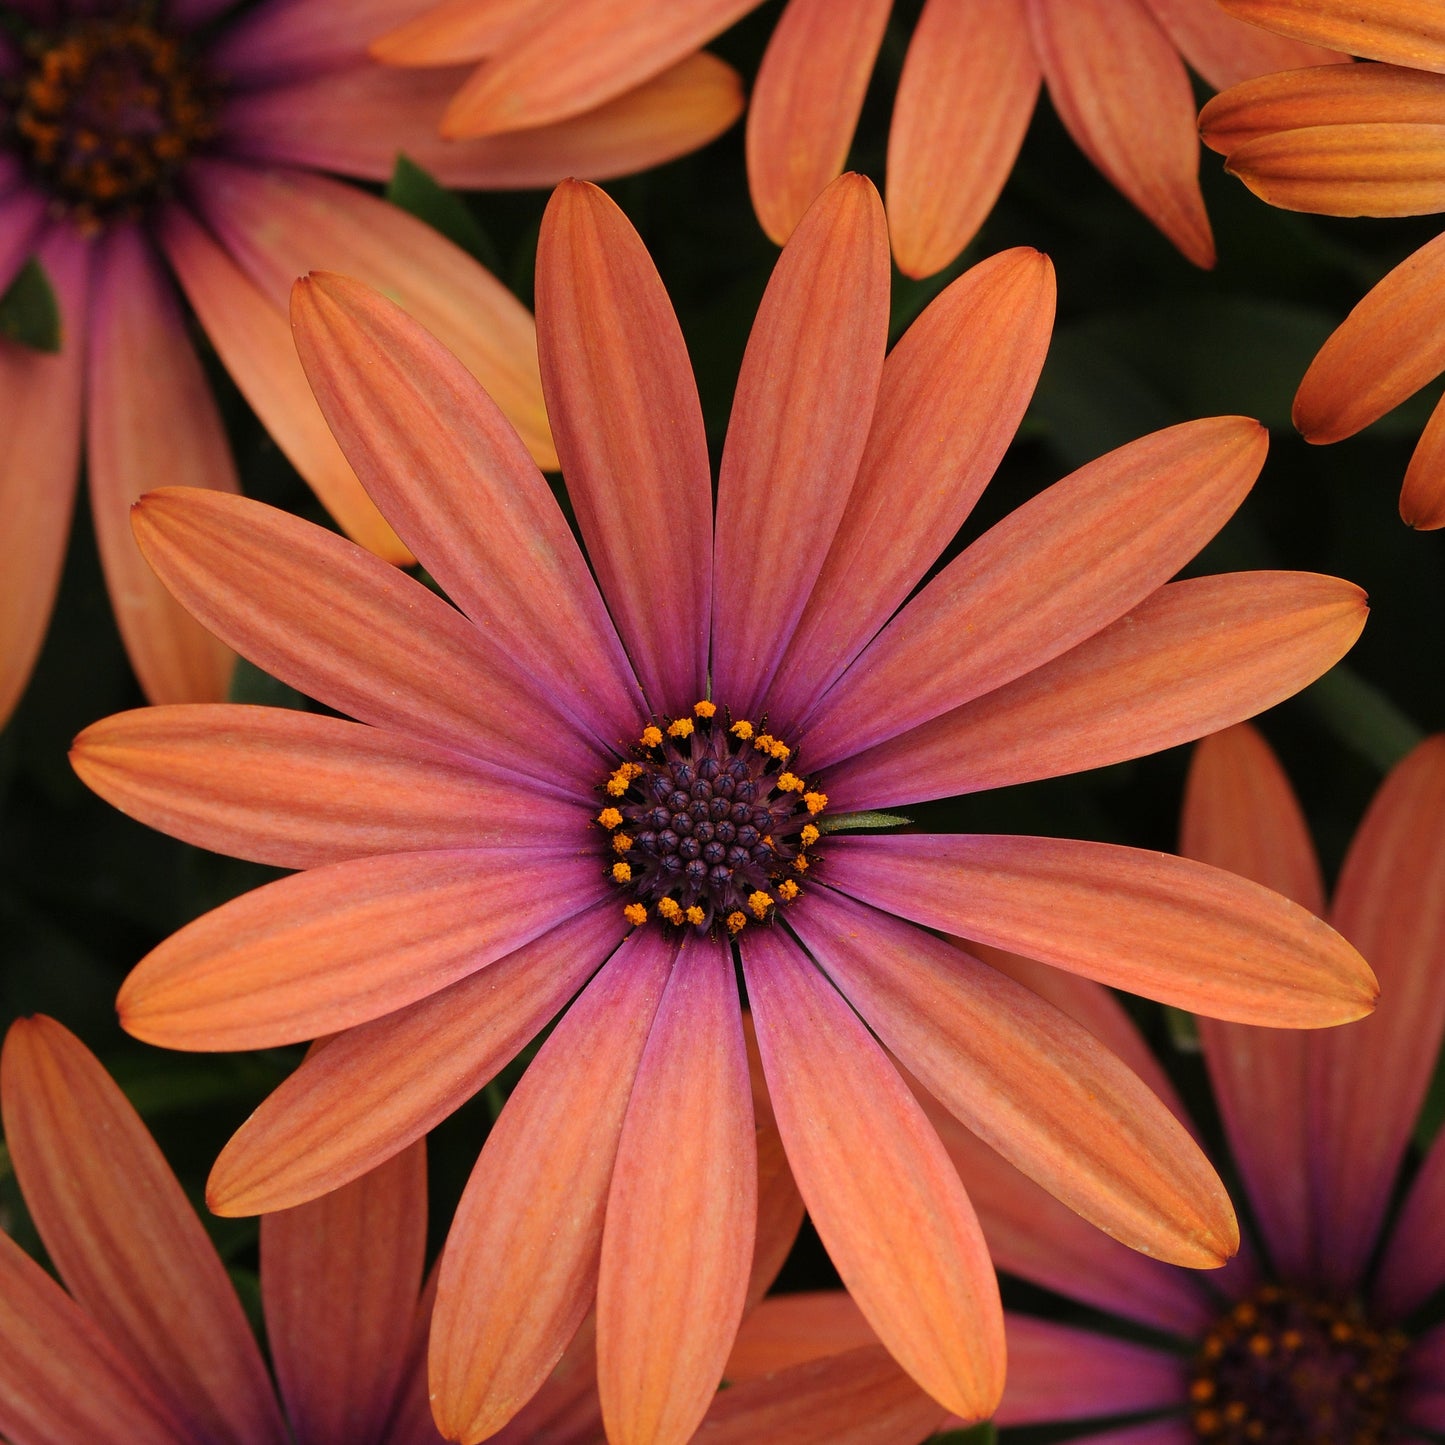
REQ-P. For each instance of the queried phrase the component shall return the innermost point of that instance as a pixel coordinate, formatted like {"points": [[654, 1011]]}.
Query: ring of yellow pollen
{"points": [[105, 111], [1284, 1368], [710, 825]]}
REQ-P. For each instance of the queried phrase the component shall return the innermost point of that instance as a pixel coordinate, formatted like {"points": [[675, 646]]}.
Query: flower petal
{"points": [[1424, 1398], [339, 1281], [1366, 1084], [1049, 575], [326, 617], [126, 1241], [1226, 51], [1196, 656], [22, 215], [1412, 1266], [681, 1212], [280, 224], [1387, 348], [1122, 91], [267, 43], [629, 430], [886, 1202], [444, 464], [340, 945], [252, 338], [800, 419], [1027, 1080], [360, 1097], [356, 121], [1240, 813], [805, 105], [40, 428], [1059, 1372], [1165, 927], [1404, 32], [1422, 498], [968, 88], [520, 1266], [458, 30], [790, 1329], [953, 392], [780, 1206]]}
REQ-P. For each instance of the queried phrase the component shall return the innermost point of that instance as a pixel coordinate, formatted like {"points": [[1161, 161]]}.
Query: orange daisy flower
{"points": [[699, 714], [1363, 140], [150, 1345], [1115, 71]]}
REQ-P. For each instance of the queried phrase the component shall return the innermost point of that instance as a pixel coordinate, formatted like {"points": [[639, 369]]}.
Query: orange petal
{"points": [[800, 419], [346, 943], [126, 1241], [953, 392], [1367, 1084], [1321, 96], [886, 1202], [1050, 575], [1347, 170], [681, 1212], [968, 88], [1422, 498], [280, 224], [458, 30], [1029, 1081], [40, 423], [629, 432], [252, 338], [437, 455], [1194, 657], [1404, 32], [1387, 348], [780, 1206], [343, 627], [1226, 51], [520, 1266], [790, 1329], [565, 1411], [589, 54], [1240, 813], [1122, 91], [259, 45], [361, 1097], [1145, 922], [61, 1380], [355, 121], [338, 1308], [805, 104]]}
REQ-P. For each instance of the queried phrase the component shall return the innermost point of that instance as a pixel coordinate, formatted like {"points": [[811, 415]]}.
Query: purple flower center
{"points": [[709, 824], [105, 113], [1283, 1367]]}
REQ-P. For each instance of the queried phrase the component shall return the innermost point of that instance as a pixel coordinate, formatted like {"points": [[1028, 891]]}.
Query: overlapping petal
{"points": [[1422, 497], [1404, 32], [1226, 51]]}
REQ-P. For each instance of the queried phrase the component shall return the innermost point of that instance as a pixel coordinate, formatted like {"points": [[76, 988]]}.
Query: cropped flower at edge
{"points": [[546, 793], [1115, 70], [151, 1347], [1366, 140], [138, 139], [1325, 1333]]}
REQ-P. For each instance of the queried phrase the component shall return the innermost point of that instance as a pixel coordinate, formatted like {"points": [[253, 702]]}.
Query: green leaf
{"points": [[29, 312], [845, 822], [1362, 717], [983, 1434], [417, 191]]}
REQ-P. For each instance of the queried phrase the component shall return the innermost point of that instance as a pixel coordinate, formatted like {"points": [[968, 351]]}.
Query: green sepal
{"points": [[29, 311], [847, 822]]}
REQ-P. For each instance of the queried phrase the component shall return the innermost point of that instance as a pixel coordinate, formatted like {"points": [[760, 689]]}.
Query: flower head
{"points": [[755, 671], [141, 142], [1364, 140], [1315, 1332]]}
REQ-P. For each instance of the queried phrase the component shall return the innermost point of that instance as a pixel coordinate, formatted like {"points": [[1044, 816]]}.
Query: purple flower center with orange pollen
{"points": [[105, 112], [1284, 1367], [709, 823]]}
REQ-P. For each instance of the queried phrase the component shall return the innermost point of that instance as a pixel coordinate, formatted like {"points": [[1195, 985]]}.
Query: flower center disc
{"points": [[106, 113], [1282, 1368], [709, 824]]}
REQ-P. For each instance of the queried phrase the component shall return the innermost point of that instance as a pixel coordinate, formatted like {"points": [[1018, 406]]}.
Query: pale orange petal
{"points": [[1404, 32], [126, 1241], [805, 104], [1422, 498], [458, 30], [1226, 51], [790, 1329], [260, 44], [968, 88]]}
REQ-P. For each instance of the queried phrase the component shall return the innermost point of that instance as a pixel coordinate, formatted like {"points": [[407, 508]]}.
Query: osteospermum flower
{"points": [[546, 794], [1325, 1331], [140, 139], [151, 1344], [1114, 68], [1364, 140]]}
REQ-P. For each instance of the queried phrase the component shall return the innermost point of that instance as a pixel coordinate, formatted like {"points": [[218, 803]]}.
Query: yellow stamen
{"points": [[736, 922], [800, 863], [621, 842], [704, 708], [743, 730], [809, 835], [781, 751], [635, 914], [760, 902], [816, 802], [791, 783], [681, 728], [788, 890], [621, 873], [670, 909], [618, 783], [651, 736], [764, 742], [610, 818], [695, 915]]}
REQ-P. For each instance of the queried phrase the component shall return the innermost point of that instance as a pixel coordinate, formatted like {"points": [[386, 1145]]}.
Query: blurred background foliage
{"points": [[1143, 340]]}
